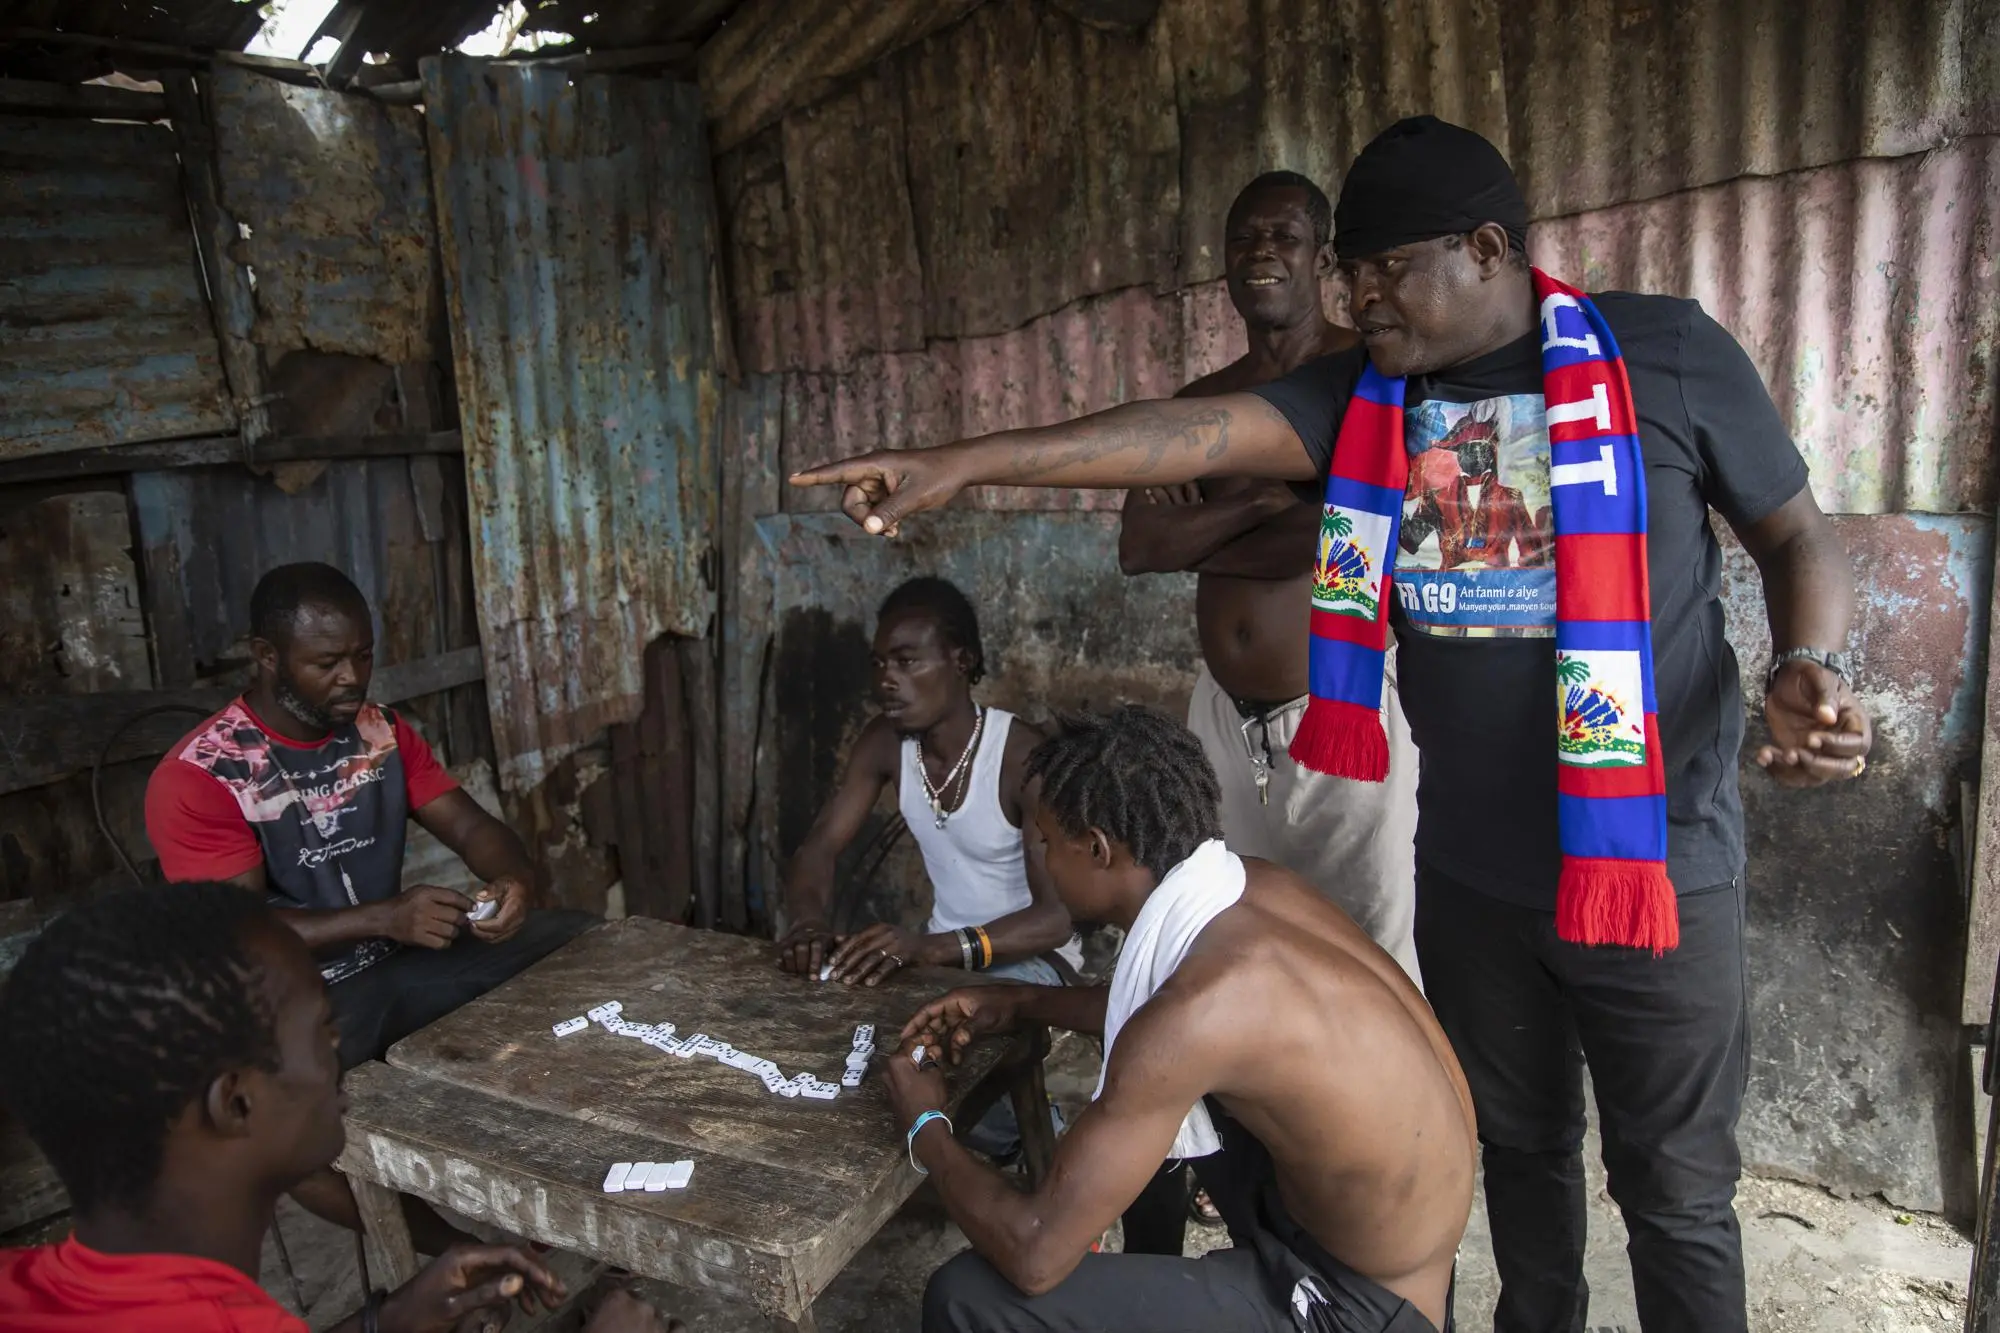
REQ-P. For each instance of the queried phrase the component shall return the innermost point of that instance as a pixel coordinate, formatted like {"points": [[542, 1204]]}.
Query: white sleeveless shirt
{"points": [[975, 863]]}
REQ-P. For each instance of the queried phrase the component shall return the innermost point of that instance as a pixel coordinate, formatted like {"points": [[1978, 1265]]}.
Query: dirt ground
{"points": [[1816, 1263]]}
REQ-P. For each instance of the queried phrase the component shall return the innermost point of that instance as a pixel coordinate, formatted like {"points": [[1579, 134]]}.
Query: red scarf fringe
{"points": [[1629, 903]]}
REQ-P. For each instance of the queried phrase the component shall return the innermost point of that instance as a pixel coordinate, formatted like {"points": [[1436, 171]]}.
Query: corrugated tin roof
{"points": [[576, 225], [1868, 294], [1044, 166], [107, 335], [335, 192]]}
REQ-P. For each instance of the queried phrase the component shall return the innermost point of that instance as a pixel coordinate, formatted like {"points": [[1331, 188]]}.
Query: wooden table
{"points": [[488, 1113]]}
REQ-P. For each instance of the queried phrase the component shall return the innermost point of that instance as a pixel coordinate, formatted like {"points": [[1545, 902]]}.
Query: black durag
{"points": [[1420, 179]]}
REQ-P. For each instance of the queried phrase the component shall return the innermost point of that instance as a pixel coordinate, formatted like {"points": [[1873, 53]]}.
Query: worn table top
{"points": [[489, 1113]]}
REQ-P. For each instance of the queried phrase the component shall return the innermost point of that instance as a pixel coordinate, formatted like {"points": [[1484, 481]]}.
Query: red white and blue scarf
{"points": [[1611, 782]]}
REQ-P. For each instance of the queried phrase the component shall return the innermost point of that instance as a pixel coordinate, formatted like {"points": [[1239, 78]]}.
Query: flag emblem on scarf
{"points": [[1603, 723], [1347, 577]]}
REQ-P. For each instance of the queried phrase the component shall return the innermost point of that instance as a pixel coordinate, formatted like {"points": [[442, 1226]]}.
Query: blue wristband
{"points": [[910, 1139]]}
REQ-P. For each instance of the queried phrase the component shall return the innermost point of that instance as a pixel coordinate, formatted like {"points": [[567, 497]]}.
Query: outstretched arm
{"points": [[1154, 443]]}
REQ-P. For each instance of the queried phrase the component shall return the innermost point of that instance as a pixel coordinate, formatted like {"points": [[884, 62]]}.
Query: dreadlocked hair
{"points": [[1138, 776], [121, 1012], [947, 607]]}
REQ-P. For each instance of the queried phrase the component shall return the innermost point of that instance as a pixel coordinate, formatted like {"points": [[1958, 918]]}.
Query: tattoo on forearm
{"points": [[1151, 431]]}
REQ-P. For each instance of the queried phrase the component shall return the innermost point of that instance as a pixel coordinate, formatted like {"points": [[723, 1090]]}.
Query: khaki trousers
{"points": [[1353, 841]]}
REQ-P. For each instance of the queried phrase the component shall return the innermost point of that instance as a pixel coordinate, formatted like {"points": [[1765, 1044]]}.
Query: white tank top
{"points": [[975, 863]]}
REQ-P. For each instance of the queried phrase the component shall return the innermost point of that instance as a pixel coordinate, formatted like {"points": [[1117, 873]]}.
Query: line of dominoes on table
{"points": [[663, 1037]]}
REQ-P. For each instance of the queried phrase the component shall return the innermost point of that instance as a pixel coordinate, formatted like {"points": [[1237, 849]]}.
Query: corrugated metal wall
{"points": [[577, 232], [105, 335], [1042, 163], [1820, 174]]}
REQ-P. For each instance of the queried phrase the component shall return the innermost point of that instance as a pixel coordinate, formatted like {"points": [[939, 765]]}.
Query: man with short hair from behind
{"points": [[173, 1055]]}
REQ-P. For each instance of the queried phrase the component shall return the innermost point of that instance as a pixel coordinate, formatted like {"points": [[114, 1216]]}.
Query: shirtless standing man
{"points": [[1251, 541], [1243, 1007]]}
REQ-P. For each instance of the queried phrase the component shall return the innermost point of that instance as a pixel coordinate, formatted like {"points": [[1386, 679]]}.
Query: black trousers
{"points": [[413, 988], [1156, 1221], [1667, 1046], [1274, 1279]]}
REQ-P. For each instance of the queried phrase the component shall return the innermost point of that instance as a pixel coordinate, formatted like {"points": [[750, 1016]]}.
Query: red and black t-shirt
{"points": [[325, 819]]}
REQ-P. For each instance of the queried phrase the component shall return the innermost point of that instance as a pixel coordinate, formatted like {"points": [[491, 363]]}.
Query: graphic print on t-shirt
{"points": [[329, 817], [1477, 544]]}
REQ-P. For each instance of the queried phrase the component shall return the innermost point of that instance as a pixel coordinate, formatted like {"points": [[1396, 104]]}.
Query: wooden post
{"points": [[389, 1253], [233, 304], [1030, 1095]]}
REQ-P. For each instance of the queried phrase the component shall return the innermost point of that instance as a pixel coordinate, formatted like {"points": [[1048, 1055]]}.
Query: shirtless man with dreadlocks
{"points": [[1242, 1007]]}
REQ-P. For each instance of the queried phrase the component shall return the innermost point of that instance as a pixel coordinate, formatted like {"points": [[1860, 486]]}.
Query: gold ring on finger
{"points": [[1860, 764]]}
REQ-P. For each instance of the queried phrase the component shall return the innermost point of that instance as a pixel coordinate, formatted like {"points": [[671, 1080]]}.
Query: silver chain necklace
{"points": [[937, 793]]}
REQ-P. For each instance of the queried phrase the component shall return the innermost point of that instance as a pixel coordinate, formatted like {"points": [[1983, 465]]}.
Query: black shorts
{"points": [[413, 988]]}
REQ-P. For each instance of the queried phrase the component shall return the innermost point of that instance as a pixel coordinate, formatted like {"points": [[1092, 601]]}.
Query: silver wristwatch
{"points": [[1835, 662]]}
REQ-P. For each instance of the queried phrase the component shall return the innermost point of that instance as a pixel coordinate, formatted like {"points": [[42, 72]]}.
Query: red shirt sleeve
{"points": [[424, 778], [196, 826]]}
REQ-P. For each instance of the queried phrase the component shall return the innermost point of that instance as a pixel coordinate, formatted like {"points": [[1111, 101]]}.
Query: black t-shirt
{"points": [[1475, 596]]}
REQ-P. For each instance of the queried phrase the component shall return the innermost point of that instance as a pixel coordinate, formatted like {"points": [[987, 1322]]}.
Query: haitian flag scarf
{"points": [[1611, 782]]}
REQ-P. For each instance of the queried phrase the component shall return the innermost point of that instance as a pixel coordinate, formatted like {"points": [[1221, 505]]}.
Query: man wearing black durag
{"points": [[1563, 669]]}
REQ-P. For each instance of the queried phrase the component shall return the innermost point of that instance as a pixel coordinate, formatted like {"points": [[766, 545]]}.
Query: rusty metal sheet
{"points": [[105, 335], [774, 55], [1083, 358], [1044, 163], [334, 193], [858, 285], [1867, 293], [1855, 915], [1301, 85], [576, 225], [208, 534], [1596, 102], [1611, 101], [1063, 629], [70, 621], [762, 265]]}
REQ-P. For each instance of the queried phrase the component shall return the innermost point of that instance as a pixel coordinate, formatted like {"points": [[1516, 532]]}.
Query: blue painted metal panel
{"points": [[211, 533], [576, 224], [105, 335]]}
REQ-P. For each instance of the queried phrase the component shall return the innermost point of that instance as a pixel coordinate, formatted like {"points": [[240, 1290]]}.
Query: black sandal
{"points": [[1202, 1210]]}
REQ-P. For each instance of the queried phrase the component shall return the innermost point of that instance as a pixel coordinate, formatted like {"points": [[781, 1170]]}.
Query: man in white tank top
{"points": [[959, 770]]}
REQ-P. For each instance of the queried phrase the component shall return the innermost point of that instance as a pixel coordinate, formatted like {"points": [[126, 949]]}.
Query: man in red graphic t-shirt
{"points": [[301, 790], [174, 1056]]}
